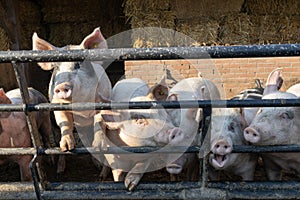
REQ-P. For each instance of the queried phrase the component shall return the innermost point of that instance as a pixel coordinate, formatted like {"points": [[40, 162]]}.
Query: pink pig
{"points": [[276, 126], [76, 82], [136, 127], [14, 132]]}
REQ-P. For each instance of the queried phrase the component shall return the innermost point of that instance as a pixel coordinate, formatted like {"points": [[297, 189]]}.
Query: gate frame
{"points": [[203, 189]]}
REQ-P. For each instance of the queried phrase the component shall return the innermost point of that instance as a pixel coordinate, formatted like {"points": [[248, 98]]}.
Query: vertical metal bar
{"points": [[19, 72], [33, 163], [203, 175], [25, 97]]}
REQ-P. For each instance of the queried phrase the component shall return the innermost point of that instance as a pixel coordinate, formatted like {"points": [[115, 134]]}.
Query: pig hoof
{"points": [[131, 182], [67, 143], [131, 187]]}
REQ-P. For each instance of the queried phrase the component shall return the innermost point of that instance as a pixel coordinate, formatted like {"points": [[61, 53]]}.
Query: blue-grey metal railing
{"points": [[184, 190]]}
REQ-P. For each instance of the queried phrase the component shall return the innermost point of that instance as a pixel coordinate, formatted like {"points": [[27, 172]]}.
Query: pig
{"points": [[227, 128], [250, 94], [294, 89], [137, 127], [188, 119], [14, 128], [276, 126], [76, 82]]}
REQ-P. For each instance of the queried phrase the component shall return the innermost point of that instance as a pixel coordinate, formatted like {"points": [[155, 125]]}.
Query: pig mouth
{"points": [[219, 160], [174, 168]]}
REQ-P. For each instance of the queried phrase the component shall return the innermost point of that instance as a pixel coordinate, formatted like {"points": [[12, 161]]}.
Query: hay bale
{"points": [[29, 17], [154, 13], [291, 32], [236, 29], [152, 37], [275, 29], [151, 29], [5, 41], [133, 8], [203, 31], [191, 9], [70, 33], [58, 11], [271, 7], [29, 12]]}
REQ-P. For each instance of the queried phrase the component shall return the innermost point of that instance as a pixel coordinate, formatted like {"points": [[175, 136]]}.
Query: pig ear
{"points": [[160, 90], [4, 100], [192, 113], [94, 41], [274, 82], [172, 97], [40, 44], [244, 123], [112, 119]]}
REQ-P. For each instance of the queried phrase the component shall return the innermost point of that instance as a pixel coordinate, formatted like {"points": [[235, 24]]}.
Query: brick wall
{"points": [[231, 75]]}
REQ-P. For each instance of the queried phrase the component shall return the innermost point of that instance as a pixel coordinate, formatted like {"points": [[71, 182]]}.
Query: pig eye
{"points": [[137, 116], [231, 126], [139, 119], [77, 66], [287, 115]]}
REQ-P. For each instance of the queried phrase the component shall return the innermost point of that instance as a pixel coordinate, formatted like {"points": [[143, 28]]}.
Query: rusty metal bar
{"points": [[144, 149], [32, 126], [20, 75], [155, 190], [151, 105], [159, 53]]}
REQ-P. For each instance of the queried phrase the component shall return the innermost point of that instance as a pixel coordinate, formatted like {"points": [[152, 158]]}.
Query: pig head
{"points": [[276, 126], [75, 82], [227, 128], [137, 127], [188, 119]]}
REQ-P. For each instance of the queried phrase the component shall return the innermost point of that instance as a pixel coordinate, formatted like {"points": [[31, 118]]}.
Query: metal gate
{"points": [[203, 189]]}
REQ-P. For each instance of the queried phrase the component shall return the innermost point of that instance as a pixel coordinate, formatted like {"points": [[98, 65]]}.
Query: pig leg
{"points": [[118, 175], [99, 143], [193, 169], [65, 121], [45, 131], [134, 176], [273, 171], [61, 164], [24, 163]]}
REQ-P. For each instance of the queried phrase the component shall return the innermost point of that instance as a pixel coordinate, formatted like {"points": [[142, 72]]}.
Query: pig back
{"points": [[35, 97], [128, 89], [190, 88], [295, 89]]}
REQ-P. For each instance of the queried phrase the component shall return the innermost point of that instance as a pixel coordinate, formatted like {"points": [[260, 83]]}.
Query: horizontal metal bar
{"points": [[227, 185], [147, 149], [151, 105], [111, 190], [98, 186], [155, 190], [188, 194], [120, 54]]}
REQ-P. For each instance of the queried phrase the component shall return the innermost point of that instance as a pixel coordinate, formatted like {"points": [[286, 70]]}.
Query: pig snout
{"points": [[175, 135], [63, 91], [174, 168], [221, 150], [222, 147], [251, 135]]}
